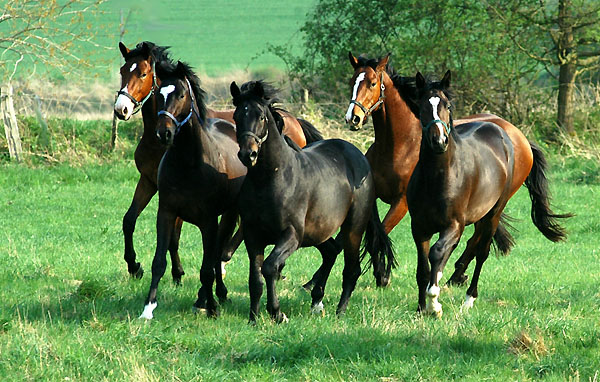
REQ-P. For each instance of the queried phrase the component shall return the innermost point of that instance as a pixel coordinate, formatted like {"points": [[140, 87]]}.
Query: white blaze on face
{"points": [[435, 101], [359, 79], [165, 91], [123, 105], [133, 67]]}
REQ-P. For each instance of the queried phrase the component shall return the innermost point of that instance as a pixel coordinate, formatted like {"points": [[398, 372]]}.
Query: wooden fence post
{"points": [[114, 131], [11, 129]]}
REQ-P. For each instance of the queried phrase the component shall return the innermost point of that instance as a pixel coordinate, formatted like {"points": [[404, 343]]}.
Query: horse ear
{"points": [[259, 90], [420, 80], [353, 60], [124, 50], [382, 64], [446, 80], [180, 69], [145, 50], [235, 90]]}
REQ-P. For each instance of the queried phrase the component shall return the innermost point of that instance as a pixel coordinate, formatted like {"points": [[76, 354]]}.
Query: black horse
{"points": [[465, 175], [199, 179], [296, 198]]}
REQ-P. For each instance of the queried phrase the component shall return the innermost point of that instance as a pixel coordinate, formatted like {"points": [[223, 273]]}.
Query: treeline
{"points": [[528, 61]]}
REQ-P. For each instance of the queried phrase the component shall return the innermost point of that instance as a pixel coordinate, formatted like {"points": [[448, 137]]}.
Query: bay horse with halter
{"points": [[139, 86], [378, 91], [199, 178], [465, 175], [296, 198]]}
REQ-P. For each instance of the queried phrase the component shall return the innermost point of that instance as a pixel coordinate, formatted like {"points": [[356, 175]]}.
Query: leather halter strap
{"points": [[189, 116], [376, 104], [259, 140], [138, 104]]}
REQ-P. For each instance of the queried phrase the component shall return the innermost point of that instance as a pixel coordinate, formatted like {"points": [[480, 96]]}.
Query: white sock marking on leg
{"points": [[147, 313]]}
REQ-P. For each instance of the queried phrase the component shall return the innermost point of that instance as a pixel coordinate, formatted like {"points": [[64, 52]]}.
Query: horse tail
{"points": [[379, 246], [503, 241], [310, 132], [542, 216]]}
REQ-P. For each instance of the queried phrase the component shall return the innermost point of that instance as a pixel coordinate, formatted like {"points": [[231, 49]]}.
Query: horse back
{"points": [[522, 148], [226, 115]]}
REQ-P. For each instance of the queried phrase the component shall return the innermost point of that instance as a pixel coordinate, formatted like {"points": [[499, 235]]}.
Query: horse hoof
{"points": [[434, 308], [148, 309], [318, 309], [282, 319], [308, 286], [223, 300], [138, 273], [457, 281]]}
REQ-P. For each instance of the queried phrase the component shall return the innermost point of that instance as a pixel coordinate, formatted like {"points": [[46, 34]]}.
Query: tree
{"points": [[44, 33], [430, 36], [572, 42]]}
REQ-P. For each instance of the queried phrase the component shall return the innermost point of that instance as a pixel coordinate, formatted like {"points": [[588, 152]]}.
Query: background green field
{"points": [[68, 309], [214, 36]]}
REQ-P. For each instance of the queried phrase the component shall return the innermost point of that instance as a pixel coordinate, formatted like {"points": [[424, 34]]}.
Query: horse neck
{"points": [[438, 166], [192, 144], [394, 123], [150, 117]]}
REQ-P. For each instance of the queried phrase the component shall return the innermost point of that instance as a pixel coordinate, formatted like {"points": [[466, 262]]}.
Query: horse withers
{"points": [[296, 198], [465, 175]]}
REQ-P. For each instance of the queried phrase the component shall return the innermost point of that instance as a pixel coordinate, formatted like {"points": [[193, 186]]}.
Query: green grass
{"points": [[68, 308]]}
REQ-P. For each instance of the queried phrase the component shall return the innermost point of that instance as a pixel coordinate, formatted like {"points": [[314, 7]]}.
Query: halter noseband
{"points": [[189, 116], [376, 105], [447, 127], [138, 104], [259, 140]]}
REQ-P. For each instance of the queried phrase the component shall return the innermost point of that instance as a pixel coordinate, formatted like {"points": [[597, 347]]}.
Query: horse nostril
{"points": [[168, 134], [355, 120], [253, 155], [125, 110]]}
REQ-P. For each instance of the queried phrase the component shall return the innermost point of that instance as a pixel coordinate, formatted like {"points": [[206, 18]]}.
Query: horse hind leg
{"points": [[144, 191], [482, 250], [176, 267], [352, 239], [329, 251]]}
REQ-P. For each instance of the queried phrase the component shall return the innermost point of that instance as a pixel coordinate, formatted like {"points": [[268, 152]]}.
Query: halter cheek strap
{"points": [[138, 104], [189, 116], [259, 140], [434, 121], [376, 105]]}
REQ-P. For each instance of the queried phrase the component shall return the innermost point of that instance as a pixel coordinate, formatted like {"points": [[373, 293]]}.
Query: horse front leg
{"points": [[328, 248], [207, 271], [271, 267], [255, 283], [144, 191], [176, 267], [422, 244], [438, 256], [165, 223]]}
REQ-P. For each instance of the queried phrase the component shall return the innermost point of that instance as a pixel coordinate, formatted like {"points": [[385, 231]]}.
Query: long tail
{"points": [[310, 132], [503, 240], [379, 246], [541, 214]]}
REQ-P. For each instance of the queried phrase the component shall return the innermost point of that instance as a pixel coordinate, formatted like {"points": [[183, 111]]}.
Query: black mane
{"points": [[406, 86], [183, 71]]}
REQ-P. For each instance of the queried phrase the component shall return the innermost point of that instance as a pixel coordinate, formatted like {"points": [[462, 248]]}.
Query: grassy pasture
{"points": [[216, 37], [68, 310]]}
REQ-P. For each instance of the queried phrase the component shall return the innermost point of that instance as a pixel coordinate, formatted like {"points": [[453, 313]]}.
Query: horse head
{"points": [[178, 103], [435, 111], [138, 80], [368, 90], [252, 116]]}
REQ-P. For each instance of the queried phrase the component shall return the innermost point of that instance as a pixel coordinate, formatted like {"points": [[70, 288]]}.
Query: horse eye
{"points": [[374, 84], [143, 75], [262, 117]]}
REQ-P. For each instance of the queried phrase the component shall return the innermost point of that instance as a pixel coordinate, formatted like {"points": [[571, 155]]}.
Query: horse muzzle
{"points": [[248, 157], [123, 108], [165, 136]]}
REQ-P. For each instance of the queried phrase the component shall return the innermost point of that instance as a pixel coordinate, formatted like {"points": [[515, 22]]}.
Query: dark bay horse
{"points": [[199, 178], [139, 84], [296, 198], [465, 175], [389, 98]]}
